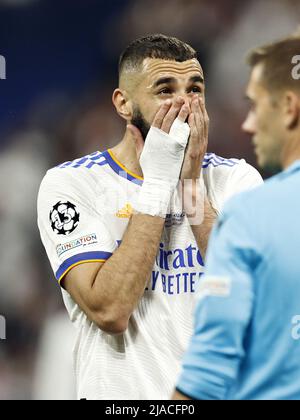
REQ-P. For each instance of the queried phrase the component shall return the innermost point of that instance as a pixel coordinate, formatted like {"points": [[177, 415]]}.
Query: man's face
{"points": [[264, 122], [160, 80]]}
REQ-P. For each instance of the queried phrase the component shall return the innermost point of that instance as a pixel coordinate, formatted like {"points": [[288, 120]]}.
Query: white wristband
{"points": [[155, 198]]}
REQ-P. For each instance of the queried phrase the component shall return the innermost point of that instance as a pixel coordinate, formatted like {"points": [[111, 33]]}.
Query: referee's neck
{"points": [[291, 152]]}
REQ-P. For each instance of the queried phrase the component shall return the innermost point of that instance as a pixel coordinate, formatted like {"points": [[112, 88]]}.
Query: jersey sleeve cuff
{"points": [[199, 382], [78, 259], [191, 389]]}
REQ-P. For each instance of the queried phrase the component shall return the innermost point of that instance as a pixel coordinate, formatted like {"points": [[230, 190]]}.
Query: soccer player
{"points": [[246, 343], [127, 254]]}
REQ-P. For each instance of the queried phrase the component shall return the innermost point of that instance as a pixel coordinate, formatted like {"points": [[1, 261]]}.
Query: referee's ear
{"points": [[123, 104], [291, 110]]}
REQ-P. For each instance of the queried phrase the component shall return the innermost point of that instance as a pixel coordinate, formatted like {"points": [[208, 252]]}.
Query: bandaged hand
{"points": [[162, 158]]}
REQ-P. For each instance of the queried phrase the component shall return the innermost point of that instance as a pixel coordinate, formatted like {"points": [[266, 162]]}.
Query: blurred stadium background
{"points": [[55, 105]]}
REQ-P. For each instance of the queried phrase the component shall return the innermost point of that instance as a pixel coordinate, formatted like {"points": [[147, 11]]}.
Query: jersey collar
{"points": [[120, 169], [294, 167]]}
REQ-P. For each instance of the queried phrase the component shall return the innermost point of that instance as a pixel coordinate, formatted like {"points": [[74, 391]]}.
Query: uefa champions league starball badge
{"points": [[64, 218]]}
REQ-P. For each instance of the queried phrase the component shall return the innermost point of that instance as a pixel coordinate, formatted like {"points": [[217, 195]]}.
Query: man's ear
{"points": [[123, 104], [291, 110]]}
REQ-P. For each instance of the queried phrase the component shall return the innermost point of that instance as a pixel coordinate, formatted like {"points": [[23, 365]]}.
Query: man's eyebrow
{"points": [[164, 81], [197, 79], [170, 80]]}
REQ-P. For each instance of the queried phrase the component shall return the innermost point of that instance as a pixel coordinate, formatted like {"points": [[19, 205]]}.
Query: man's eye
{"points": [[196, 89], [165, 91]]}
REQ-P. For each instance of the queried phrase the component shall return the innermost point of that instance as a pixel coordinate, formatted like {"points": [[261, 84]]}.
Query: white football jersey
{"points": [[83, 211]]}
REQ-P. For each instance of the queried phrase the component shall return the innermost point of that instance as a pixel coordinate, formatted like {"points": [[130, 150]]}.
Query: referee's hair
{"points": [[154, 46], [277, 59]]}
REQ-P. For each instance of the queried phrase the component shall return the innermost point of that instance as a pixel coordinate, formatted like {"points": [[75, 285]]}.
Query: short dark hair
{"points": [[155, 46], [277, 61]]}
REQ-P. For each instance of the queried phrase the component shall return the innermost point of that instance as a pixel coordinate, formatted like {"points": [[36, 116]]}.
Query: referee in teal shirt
{"points": [[246, 344]]}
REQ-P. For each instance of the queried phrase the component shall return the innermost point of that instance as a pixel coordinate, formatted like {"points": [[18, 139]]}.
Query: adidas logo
{"points": [[126, 212]]}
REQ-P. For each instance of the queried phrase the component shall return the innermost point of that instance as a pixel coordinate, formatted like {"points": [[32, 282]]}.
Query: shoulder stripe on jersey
{"points": [[88, 162], [216, 164], [108, 158], [210, 156], [76, 260], [214, 160], [91, 164], [65, 165]]}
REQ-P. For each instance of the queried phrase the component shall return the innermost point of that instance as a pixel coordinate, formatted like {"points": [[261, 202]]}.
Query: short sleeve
{"points": [[72, 230]]}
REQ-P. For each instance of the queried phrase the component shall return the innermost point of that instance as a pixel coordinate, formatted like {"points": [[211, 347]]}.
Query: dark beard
{"points": [[139, 121]]}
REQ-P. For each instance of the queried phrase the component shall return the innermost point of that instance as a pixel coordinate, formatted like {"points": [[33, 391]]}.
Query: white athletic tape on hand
{"points": [[180, 131], [161, 162]]}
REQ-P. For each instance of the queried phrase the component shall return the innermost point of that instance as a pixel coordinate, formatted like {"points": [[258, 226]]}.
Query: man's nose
{"points": [[188, 98], [249, 124]]}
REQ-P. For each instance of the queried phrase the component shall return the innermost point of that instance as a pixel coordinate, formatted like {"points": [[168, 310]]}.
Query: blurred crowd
{"points": [[56, 105]]}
